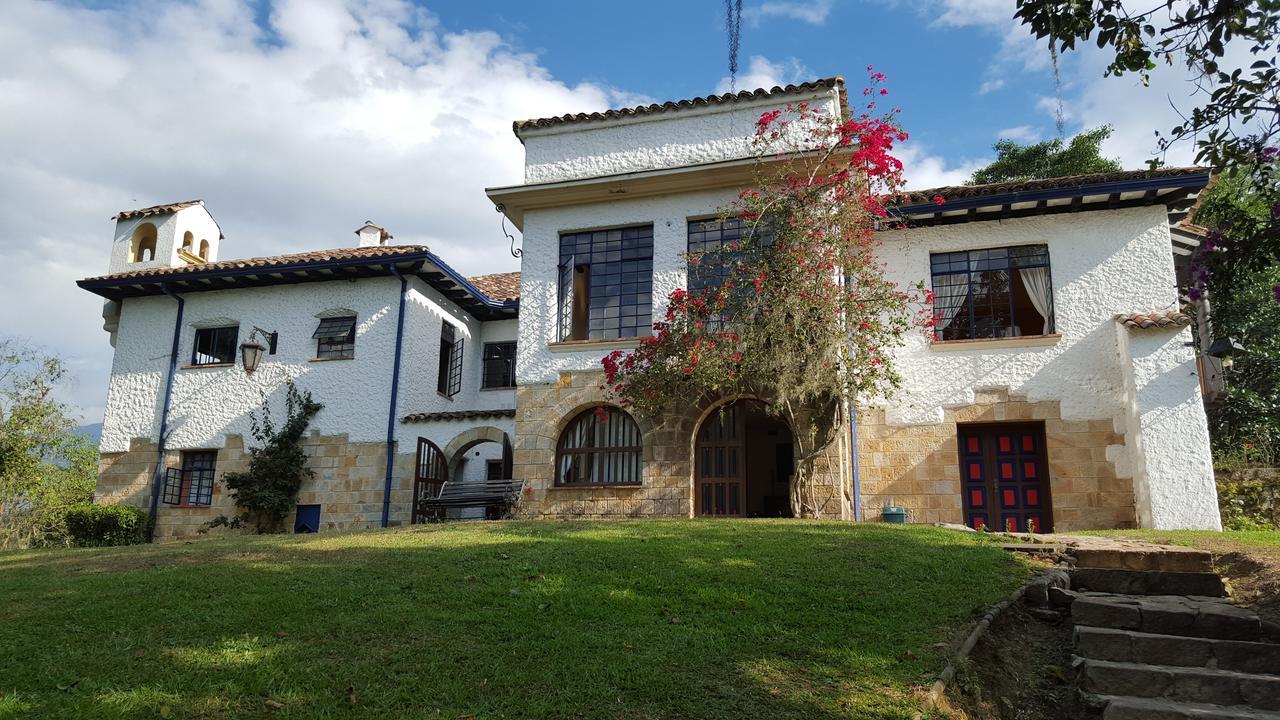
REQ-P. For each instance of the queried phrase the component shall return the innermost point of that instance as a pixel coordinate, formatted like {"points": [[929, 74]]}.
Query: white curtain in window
{"points": [[1036, 281], [948, 297]]}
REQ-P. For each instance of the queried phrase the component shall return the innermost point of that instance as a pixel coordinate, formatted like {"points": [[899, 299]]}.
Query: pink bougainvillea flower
{"points": [[938, 200]]}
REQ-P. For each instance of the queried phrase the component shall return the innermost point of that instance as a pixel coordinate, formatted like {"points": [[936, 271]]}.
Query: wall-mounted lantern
{"points": [[1225, 349], [251, 349]]}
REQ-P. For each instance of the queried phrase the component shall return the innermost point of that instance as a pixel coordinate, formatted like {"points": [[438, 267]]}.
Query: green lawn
{"points": [[656, 619], [1266, 541]]}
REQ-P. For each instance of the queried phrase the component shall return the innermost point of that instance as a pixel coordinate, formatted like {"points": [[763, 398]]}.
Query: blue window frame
{"points": [[992, 293]]}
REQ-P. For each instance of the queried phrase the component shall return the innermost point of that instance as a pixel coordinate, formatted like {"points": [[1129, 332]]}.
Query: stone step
{"points": [[1170, 615], [1139, 647], [1128, 708], [1173, 559], [1147, 582], [1180, 684]]}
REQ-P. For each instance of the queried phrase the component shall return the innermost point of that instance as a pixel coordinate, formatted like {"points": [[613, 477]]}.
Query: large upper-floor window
{"points": [[215, 346], [606, 283], [336, 338], [449, 376], [601, 446], [992, 293], [499, 365]]}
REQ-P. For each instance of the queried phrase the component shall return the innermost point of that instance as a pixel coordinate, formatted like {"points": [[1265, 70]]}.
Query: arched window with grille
{"points": [[601, 446]]}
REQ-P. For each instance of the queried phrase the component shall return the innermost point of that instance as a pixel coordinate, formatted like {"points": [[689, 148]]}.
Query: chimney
{"points": [[372, 235]]}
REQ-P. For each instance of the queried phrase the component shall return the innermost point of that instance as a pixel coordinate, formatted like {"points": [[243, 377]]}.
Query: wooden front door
{"points": [[1005, 477], [430, 471], [720, 473]]}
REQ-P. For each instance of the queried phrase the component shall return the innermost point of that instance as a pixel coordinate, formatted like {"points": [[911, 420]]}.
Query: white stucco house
{"points": [[1062, 392]]}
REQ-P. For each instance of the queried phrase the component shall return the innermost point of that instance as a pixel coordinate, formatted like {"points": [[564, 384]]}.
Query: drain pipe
{"points": [[395, 394], [164, 413], [853, 453]]}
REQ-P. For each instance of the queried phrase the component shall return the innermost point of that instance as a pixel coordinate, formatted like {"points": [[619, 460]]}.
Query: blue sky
{"points": [[297, 120]]}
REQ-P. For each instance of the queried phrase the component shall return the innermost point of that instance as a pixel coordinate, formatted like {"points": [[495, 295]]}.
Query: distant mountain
{"points": [[92, 432]]}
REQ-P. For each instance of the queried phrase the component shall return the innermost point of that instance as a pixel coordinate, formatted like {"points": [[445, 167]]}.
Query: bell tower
{"points": [[173, 235]]}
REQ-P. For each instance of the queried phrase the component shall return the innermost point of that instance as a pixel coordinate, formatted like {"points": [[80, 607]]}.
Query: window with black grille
{"points": [[992, 293], [499, 365], [192, 483], [336, 338], [215, 346], [449, 379], [606, 283]]}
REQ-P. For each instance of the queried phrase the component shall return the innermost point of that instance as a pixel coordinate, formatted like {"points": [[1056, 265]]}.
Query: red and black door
{"points": [[1005, 477]]}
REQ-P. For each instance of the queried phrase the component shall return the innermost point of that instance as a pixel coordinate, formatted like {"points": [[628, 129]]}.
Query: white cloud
{"points": [[991, 85], [762, 73], [1021, 133], [814, 12], [343, 111], [922, 170]]}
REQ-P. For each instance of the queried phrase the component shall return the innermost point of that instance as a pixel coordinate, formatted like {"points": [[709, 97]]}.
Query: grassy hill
{"points": [[656, 619]]}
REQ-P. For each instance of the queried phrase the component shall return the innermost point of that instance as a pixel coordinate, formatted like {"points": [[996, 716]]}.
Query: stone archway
{"points": [[743, 461], [457, 448]]}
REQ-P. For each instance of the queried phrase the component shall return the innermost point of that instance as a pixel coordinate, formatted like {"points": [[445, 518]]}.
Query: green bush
{"points": [[1250, 499], [96, 525]]}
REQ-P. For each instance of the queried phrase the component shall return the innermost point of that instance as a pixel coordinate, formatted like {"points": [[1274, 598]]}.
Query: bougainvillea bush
{"points": [[803, 317]]}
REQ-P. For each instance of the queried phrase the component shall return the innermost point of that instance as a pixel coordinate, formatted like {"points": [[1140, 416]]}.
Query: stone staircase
{"points": [[1156, 639]]}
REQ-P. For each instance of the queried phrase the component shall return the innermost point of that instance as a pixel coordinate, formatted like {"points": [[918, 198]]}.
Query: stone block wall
{"points": [[918, 466], [348, 484], [543, 411]]}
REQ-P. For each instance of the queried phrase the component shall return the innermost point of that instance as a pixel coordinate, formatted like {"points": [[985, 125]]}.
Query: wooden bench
{"points": [[495, 496]]}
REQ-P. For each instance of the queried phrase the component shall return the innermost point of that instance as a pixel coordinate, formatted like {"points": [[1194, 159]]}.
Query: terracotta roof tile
{"points": [[459, 415], [1163, 319], [836, 82], [959, 192], [498, 286], [155, 210], [273, 261]]}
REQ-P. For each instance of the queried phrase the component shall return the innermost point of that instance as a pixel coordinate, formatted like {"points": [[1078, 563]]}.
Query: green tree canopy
{"points": [[45, 466], [1238, 95], [1051, 158]]}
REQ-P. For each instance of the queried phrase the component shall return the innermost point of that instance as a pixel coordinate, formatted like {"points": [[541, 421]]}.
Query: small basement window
{"points": [[499, 365], [307, 519], [336, 338], [215, 346], [191, 485]]}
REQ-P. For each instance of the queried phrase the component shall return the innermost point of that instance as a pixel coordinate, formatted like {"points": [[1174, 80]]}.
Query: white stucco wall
{"points": [[170, 230], [669, 214], [662, 140], [1103, 263], [210, 403], [1173, 474]]}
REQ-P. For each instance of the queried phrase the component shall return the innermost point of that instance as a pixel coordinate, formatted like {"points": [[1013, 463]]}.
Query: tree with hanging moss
{"points": [[268, 490], [803, 318]]}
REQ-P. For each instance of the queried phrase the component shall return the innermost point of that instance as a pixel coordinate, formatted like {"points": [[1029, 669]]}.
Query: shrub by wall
{"points": [[1250, 498], [97, 525]]}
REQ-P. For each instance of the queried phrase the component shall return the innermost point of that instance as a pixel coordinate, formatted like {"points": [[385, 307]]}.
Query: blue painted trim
{"points": [[853, 451], [1107, 188], [164, 414], [389, 261], [395, 393]]}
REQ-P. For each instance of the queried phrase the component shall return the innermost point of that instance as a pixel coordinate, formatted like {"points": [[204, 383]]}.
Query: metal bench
{"points": [[495, 496]]}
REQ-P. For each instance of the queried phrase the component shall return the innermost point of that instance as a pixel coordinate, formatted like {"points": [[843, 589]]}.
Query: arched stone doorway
{"points": [[744, 460]]}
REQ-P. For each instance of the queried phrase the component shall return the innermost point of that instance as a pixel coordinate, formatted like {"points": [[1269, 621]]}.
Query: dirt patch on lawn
{"points": [[1020, 670], [1255, 580]]}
